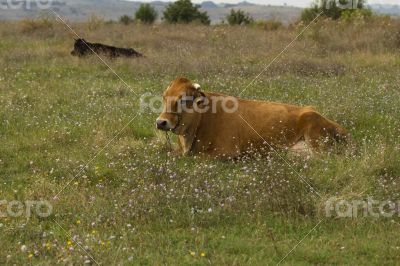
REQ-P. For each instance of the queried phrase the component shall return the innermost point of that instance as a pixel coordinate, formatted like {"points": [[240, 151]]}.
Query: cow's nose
{"points": [[161, 124]]}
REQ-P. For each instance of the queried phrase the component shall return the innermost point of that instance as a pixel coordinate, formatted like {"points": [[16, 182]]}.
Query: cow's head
{"points": [[80, 48], [182, 102]]}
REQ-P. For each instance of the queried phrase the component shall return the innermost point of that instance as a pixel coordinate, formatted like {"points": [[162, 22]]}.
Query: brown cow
{"points": [[222, 125]]}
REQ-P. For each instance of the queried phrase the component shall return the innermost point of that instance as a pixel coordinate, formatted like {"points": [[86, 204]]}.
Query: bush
{"points": [[270, 25], [146, 14], [359, 14], [125, 19], [331, 8], [183, 11], [308, 14], [32, 25], [239, 17]]}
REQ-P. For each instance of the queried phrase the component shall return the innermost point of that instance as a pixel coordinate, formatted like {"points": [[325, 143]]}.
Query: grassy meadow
{"points": [[135, 203]]}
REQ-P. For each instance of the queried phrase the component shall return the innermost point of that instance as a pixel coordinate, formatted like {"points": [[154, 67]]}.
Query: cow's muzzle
{"points": [[162, 124]]}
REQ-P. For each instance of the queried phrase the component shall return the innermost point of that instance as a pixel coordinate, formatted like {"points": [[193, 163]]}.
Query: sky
{"points": [[300, 3]]}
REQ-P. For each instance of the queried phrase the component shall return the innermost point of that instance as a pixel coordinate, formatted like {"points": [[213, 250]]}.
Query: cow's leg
{"points": [[319, 132]]}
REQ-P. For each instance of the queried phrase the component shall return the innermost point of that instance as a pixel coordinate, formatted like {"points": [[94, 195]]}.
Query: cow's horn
{"points": [[196, 86]]}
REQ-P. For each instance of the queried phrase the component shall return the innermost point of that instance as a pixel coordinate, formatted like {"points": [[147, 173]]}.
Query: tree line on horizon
{"points": [[184, 12]]}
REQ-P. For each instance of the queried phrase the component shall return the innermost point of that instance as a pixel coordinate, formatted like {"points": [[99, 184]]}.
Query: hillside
{"points": [[79, 10], [393, 10]]}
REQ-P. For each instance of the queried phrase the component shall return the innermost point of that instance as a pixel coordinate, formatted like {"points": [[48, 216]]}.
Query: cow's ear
{"points": [[200, 98]]}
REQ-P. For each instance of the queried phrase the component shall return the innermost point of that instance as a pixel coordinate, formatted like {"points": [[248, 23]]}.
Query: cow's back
{"points": [[253, 123]]}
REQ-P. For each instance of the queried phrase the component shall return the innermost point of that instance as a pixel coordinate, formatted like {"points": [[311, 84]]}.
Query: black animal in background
{"points": [[83, 48]]}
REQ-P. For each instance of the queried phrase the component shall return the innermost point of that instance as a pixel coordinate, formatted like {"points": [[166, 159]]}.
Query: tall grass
{"points": [[135, 203]]}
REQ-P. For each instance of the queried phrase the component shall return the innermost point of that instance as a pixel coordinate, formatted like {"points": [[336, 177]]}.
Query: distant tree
{"points": [[183, 11], [239, 17], [332, 9], [125, 19], [146, 14], [308, 14]]}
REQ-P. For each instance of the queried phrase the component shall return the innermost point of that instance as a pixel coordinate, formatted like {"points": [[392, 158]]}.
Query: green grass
{"points": [[136, 204]]}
